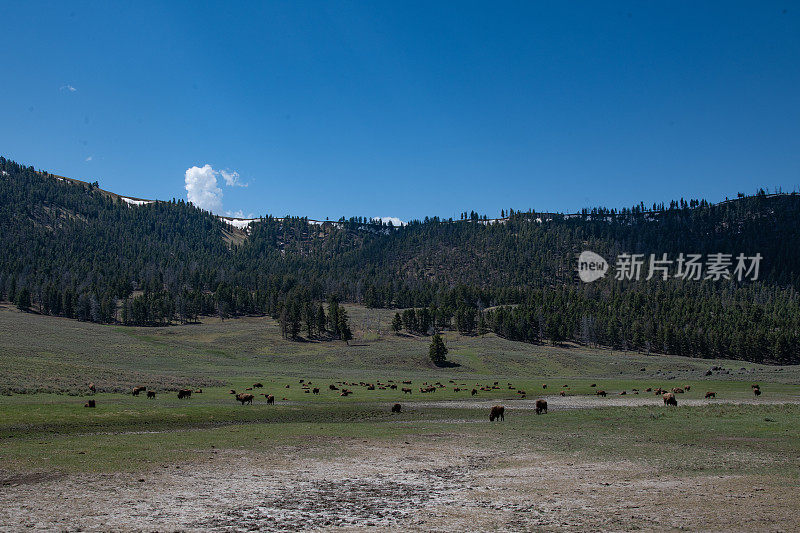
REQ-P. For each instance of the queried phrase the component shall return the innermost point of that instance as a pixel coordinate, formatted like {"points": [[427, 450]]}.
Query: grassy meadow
{"points": [[48, 363]]}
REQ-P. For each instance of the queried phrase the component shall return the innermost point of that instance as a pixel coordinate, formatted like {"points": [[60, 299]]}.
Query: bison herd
{"points": [[496, 413]]}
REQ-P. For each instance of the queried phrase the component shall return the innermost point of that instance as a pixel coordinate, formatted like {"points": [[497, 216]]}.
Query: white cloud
{"points": [[394, 220], [202, 190], [232, 178], [69, 88], [88, 158]]}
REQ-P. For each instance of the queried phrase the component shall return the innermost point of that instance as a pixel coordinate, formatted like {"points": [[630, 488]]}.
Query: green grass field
{"points": [[49, 362]]}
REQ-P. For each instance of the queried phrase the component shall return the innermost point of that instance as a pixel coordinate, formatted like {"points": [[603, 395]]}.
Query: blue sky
{"points": [[406, 109]]}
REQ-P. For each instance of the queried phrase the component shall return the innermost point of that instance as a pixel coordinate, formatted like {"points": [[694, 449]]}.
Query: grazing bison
{"points": [[407, 382], [649, 389], [270, 399], [593, 385], [151, 394], [245, 398], [257, 385], [396, 408], [711, 394], [687, 388], [90, 403], [623, 393], [333, 387], [601, 393], [393, 387], [474, 392], [497, 413], [91, 387], [563, 393], [541, 407], [184, 393], [406, 390], [137, 390], [544, 385], [233, 391], [757, 391], [315, 390], [669, 399], [677, 390]]}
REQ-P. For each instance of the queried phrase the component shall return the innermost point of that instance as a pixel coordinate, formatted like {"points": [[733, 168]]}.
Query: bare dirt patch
{"points": [[440, 483]]}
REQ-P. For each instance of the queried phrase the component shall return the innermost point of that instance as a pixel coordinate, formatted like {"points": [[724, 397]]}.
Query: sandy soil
{"points": [[428, 484], [591, 402]]}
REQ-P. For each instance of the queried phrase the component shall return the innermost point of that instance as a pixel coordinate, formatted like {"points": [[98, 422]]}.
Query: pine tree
{"points": [[438, 351], [397, 323]]}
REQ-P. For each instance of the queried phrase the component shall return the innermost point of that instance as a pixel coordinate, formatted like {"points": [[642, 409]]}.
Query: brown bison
{"points": [[757, 391], [151, 394], [544, 385], [497, 413], [270, 399], [91, 387], [184, 393], [687, 388], [711, 394], [623, 393], [406, 390], [669, 399], [593, 385], [257, 385], [137, 390], [541, 407], [90, 403], [474, 392], [601, 393], [396, 408], [677, 390], [233, 391], [407, 382], [333, 387], [245, 398], [562, 393]]}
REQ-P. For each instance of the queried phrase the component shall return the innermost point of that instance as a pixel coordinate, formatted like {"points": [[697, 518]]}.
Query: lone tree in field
{"points": [[438, 351], [397, 323]]}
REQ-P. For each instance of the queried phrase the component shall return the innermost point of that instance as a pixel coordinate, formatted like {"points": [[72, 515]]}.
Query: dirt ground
{"points": [[427, 484]]}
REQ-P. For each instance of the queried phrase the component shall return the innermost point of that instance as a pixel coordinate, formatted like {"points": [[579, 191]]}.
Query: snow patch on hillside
{"points": [[131, 201], [240, 223]]}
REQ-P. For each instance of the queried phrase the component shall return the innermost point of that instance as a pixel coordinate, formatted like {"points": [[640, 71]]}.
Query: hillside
{"points": [[72, 249]]}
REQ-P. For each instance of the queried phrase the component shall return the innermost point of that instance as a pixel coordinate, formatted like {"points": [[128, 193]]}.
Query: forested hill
{"points": [[72, 249]]}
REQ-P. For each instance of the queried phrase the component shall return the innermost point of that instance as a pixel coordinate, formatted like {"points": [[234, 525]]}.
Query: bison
{"points": [[92, 387], [151, 394], [396, 408], [90, 403], [757, 391], [677, 390], [669, 399], [245, 398], [406, 390], [270, 399], [562, 393], [544, 385], [601, 393], [711, 394], [315, 390], [474, 392], [137, 390], [497, 413], [184, 393], [593, 385], [257, 385], [541, 407]]}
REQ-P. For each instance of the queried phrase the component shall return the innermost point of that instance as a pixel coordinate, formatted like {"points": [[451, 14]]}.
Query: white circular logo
{"points": [[591, 266]]}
